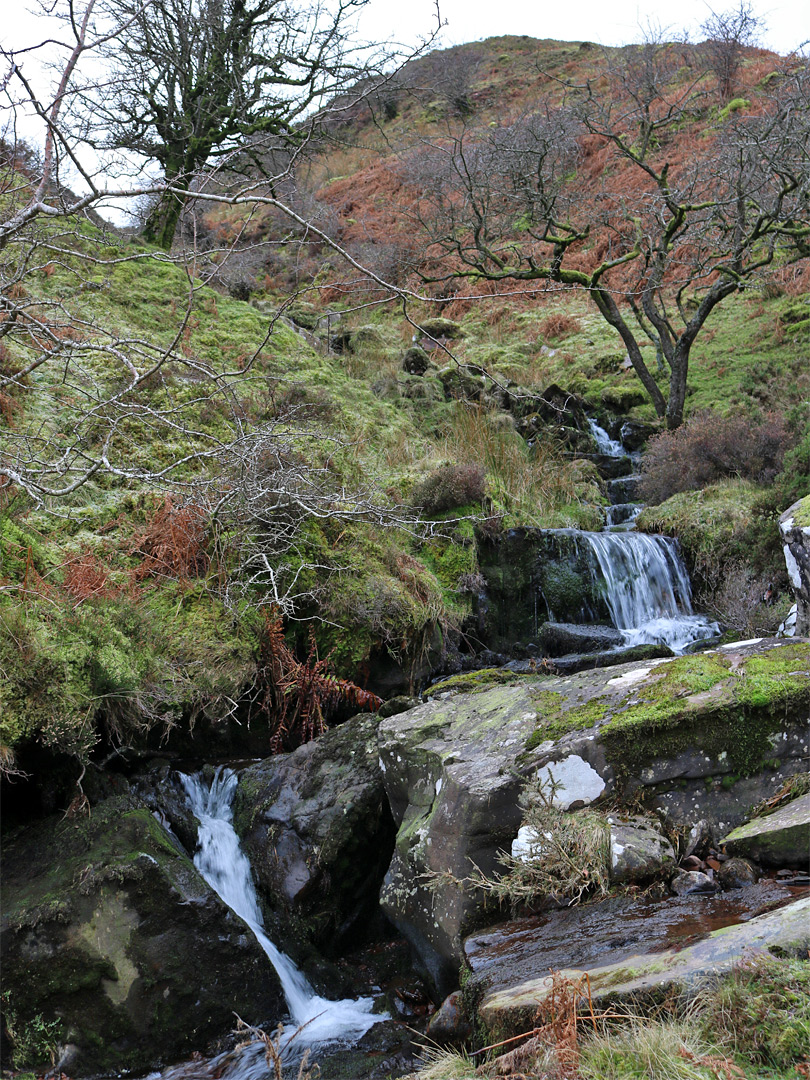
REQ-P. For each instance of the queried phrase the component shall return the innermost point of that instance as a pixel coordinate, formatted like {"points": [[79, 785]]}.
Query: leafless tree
{"points": [[672, 241], [728, 35]]}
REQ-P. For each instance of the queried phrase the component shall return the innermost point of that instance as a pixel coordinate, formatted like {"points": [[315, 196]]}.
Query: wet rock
{"points": [[316, 826], [630, 963], [639, 850], [778, 839], [558, 639], [567, 665], [737, 874], [398, 704], [687, 882], [608, 466], [624, 490], [634, 434], [450, 1023], [109, 928]]}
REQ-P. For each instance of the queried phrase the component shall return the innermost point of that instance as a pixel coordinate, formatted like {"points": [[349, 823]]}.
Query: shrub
{"points": [[708, 448], [450, 486]]}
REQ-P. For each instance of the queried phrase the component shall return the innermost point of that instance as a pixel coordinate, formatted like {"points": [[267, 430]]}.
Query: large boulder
{"points": [[108, 929], [696, 737], [316, 827], [794, 526], [779, 839]]}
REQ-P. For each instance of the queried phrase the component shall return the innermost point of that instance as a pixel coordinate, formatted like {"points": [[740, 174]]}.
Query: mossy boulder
{"points": [[109, 932], [779, 839], [693, 737], [316, 826]]}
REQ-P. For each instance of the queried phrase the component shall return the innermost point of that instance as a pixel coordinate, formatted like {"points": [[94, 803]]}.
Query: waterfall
{"points": [[647, 589], [226, 868], [609, 447]]}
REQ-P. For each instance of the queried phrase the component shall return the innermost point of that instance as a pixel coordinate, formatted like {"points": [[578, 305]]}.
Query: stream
{"points": [[314, 1021]]}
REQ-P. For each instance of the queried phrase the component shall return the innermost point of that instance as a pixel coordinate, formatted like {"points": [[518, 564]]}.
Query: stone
{"points": [[567, 665], [638, 850], [450, 1023], [687, 882], [316, 827], [625, 965], [415, 361], [737, 874], [700, 840], [779, 839], [109, 928], [455, 767], [558, 639], [794, 528]]}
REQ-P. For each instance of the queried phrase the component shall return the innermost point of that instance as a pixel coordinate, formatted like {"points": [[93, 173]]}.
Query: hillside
{"points": [[282, 452]]}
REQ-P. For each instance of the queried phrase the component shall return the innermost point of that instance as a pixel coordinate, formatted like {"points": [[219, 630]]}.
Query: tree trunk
{"points": [[677, 384], [161, 224]]}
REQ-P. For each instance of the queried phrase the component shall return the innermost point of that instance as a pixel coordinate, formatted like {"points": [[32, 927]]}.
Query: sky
{"points": [[607, 22]]}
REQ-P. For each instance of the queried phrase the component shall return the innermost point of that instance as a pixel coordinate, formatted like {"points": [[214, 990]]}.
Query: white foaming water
{"points": [[609, 447], [226, 868], [648, 591]]}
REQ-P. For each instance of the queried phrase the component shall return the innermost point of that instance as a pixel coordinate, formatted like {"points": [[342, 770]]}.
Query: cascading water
{"points": [[647, 590], [609, 447], [226, 868]]}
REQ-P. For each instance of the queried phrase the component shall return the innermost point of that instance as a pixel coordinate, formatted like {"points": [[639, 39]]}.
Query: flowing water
{"points": [[223, 864], [647, 589], [609, 447]]}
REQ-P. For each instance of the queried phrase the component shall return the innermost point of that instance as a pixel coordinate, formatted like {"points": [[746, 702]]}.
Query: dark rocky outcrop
{"points": [[316, 826], [109, 929], [559, 639]]}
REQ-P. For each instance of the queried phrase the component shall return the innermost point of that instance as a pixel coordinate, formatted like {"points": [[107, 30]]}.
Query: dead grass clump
{"points": [[174, 542], [559, 326], [85, 578], [450, 486]]}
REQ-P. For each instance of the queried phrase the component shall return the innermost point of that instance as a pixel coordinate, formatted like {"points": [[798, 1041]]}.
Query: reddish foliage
{"points": [[709, 447], [85, 578], [293, 695], [173, 544], [559, 326]]}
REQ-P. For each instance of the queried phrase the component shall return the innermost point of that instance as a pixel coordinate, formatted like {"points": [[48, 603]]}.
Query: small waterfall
{"points": [[609, 447], [647, 589], [226, 868]]}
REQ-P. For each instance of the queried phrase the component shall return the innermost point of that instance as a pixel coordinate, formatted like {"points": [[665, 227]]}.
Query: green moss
{"points": [[802, 514], [475, 682]]}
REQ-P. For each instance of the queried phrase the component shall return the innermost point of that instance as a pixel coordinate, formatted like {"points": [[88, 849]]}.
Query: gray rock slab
{"points": [[643, 973], [778, 839]]}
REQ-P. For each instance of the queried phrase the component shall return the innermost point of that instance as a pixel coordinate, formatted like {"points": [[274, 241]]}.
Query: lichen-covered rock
{"points": [[780, 839], [638, 849], [701, 736], [109, 929], [316, 827], [794, 526]]}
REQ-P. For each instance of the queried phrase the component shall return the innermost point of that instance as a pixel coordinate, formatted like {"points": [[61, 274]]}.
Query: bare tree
{"points": [[668, 242], [728, 35]]}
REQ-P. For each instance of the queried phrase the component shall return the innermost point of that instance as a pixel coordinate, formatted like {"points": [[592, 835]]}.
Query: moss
{"points": [[802, 514], [475, 682]]}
